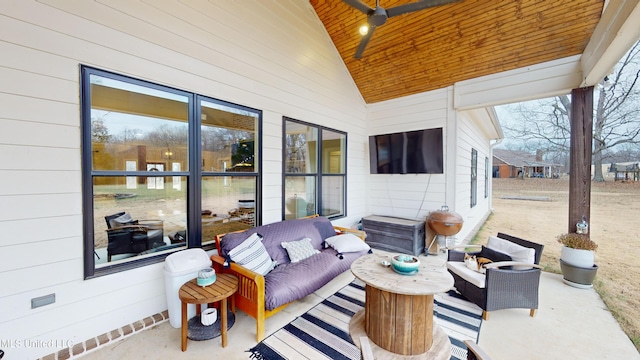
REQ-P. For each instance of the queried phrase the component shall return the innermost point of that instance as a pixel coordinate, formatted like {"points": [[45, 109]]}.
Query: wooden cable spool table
{"points": [[398, 313], [192, 293]]}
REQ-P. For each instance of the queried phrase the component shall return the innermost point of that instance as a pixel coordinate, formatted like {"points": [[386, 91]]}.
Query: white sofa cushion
{"points": [[517, 252], [345, 243], [460, 269]]}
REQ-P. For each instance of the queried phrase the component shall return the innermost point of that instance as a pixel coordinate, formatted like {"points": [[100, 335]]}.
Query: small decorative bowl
{"points": [[206, 277], [405, 264]]}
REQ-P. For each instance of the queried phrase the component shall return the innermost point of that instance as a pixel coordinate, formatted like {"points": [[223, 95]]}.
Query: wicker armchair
{"points": [[503, 288]]}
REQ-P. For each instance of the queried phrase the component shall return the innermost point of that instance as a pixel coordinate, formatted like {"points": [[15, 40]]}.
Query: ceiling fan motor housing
{"points": [[377, 17]]}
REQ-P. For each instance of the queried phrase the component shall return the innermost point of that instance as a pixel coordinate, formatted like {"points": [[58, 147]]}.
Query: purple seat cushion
{"points": [[293, 281], [317, 229]]}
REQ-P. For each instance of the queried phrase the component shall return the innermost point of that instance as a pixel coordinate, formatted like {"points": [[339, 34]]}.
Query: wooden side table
{"points": [[191, 293], [398, 313]]}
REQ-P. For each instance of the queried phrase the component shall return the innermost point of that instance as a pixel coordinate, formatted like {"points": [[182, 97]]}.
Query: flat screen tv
{"points": [[410, 152]]}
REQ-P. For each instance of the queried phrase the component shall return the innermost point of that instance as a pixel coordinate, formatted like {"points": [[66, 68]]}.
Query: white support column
{"points": [[451, 149]]}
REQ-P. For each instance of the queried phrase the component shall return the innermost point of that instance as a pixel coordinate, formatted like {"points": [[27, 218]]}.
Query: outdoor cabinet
{"points": [[394, 234]]}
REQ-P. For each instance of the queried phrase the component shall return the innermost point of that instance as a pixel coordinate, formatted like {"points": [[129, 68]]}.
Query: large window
{"points": [[314, 160], [163, 170]]}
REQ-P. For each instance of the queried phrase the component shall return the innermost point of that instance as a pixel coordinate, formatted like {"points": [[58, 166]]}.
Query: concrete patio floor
{"points": [[571, 323]]}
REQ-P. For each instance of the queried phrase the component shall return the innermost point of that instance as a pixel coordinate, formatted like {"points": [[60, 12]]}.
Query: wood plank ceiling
{"points": [[436, 47]]}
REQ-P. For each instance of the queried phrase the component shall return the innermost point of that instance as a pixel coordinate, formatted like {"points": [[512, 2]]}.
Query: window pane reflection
{"points": [[332, 196], [134, 128], [333, 152], [149, 217], [228, 204], [300, 195], [301, 148], [229, 141]]}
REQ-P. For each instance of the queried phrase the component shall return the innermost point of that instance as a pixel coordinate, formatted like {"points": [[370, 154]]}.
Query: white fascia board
{"points": [[487, 120], [615, 34], [532, 82]]}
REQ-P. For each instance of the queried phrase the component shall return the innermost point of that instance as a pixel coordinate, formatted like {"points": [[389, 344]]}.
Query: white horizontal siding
{"points": [[77, 310], [471, 136], [39, 206], [44, 111], [24, 83], [272, 56], [40, 229], [17, 56], [45, 279], [38, 157], [271, 166], [421, 111], [20, 132], [32, 182], [410, 196], [42, 252]]}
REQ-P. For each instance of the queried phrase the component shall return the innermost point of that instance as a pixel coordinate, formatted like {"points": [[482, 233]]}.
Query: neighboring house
{"points": [[200, 80], [513, 163]]}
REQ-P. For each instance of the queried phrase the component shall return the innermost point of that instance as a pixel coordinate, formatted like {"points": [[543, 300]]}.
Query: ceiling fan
{"points": [[378, 16]]}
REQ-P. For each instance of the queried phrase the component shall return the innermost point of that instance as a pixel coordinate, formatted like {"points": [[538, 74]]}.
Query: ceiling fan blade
{"points": [[358, 5], [363, 43], [415, 6]]}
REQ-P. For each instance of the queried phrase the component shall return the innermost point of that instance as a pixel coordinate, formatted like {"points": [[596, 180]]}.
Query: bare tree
{"points": [[127, 135], [616, 116], [540, 125], [99, 131], [616, 120]]}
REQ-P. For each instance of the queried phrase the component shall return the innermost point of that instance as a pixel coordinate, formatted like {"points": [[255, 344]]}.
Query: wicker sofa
{"points": [[506, 284], [262, 296]]}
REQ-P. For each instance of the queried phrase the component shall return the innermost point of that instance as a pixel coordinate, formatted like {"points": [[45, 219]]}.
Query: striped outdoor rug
{"points": [[323, 332]]}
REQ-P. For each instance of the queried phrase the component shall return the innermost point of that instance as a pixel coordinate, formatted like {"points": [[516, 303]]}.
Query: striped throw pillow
{"points": [[252, 255]]}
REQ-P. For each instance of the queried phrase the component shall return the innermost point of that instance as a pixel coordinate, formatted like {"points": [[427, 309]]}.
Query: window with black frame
{"points": [[314, 168], [474, 177], [163, 170], [486, 177]]}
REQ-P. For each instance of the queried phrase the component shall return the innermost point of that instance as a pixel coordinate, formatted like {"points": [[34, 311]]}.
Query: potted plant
{"points": [[577, 259]]}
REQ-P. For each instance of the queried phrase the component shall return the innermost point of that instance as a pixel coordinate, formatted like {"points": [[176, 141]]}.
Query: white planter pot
{"points": [[578, 257]]}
